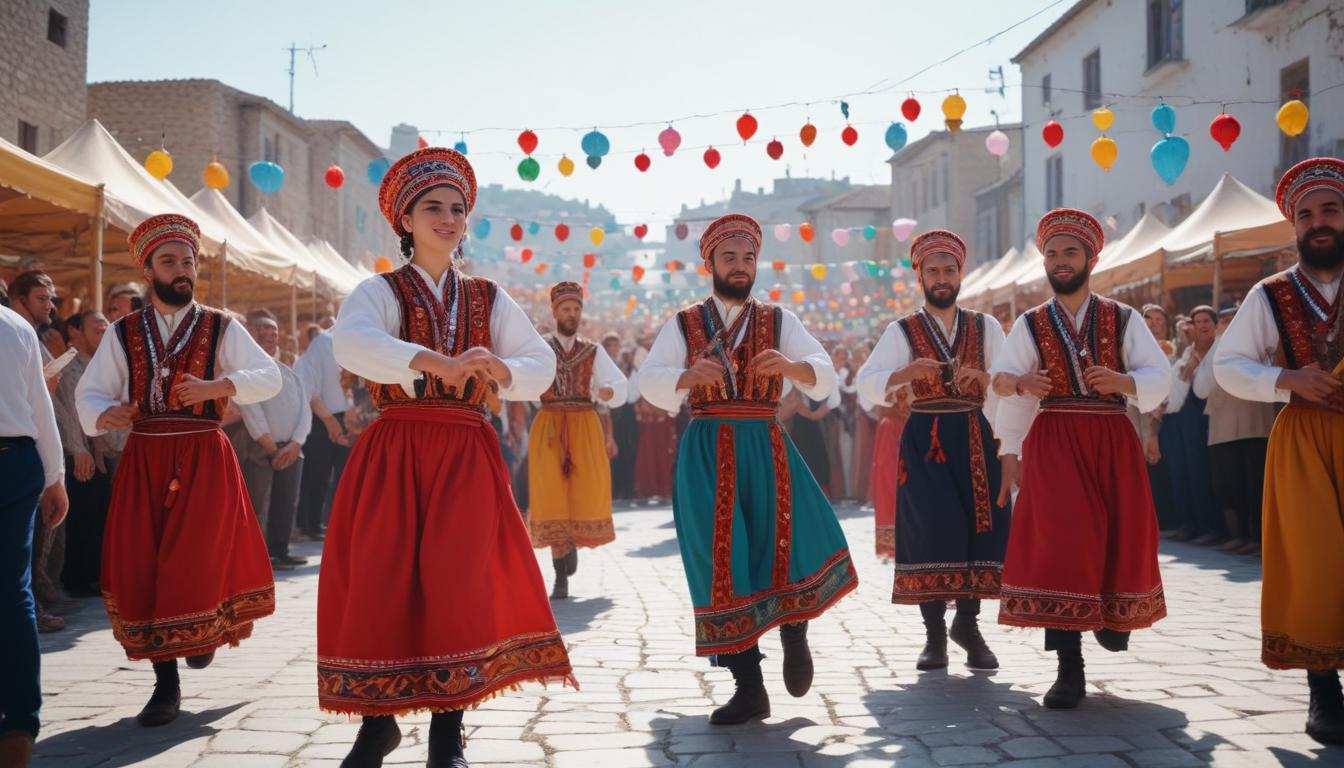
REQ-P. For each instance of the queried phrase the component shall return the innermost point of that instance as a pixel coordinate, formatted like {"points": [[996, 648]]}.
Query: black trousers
{"points": [[625, 430], [323, 461], [1239, 483], [275, 496], [84, 530]]}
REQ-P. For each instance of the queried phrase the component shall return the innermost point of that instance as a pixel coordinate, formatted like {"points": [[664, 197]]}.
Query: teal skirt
{"points": [[759, 541]]}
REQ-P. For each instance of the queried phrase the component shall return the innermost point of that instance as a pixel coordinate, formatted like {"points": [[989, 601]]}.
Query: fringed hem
{"points": [[178, 637], [1018, 608], [402, 709], [1279, 651]]}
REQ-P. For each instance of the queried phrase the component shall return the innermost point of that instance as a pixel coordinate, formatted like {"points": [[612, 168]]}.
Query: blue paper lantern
{"points": [[615, 283], [594, 161], [595, 144], [378, 169], [1169, 157], [533, 228], [483, 228], [266, 176], [896, 137], [667, 277], [1164, 118], [460, 146]]}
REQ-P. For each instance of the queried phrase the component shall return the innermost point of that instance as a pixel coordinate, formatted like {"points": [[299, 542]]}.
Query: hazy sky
{"points": [[562, 68]]}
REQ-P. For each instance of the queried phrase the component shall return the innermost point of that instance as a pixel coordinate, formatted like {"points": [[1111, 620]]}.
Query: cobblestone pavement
{"points": [[1190, 692]]}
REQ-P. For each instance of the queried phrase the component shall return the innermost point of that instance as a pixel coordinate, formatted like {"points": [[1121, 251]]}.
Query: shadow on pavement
{"points": [[124, 742], [1235, 568], [577, 613]]}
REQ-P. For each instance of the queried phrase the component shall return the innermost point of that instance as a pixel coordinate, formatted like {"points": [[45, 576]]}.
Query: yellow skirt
{"points": [[569, 481], [1302, 602]]}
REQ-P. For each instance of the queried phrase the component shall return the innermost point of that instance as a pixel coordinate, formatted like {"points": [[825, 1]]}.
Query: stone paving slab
{"points": [[1190, 692]]}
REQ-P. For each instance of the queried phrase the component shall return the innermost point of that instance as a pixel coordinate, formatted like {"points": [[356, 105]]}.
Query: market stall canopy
{"points": [[45, 211], [276, 232], [243, 234], [1137, 243]]}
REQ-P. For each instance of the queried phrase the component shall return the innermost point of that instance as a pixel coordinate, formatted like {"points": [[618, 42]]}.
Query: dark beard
{"points": [[567, 329], [174, 297], [941, 303], [1329, 257], [1072, 285], [729, 291]]}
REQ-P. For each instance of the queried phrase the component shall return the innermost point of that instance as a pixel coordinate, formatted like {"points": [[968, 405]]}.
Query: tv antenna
{"points": [[996, 81], [293, 51]]}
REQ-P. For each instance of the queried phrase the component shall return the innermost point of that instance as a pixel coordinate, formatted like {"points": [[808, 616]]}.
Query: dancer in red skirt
{"points": [[1082, 553], [185, 568], [430, 597]]}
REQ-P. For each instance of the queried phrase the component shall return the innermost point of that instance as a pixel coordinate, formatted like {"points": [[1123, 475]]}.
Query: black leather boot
{"points": [[965, 632], [377, 737], [561, 589], [1070, 683], [166, 701], [797, 658], [1112, 640], [447, 739], [934, 655], [1325, 714], [572, 560], [750, 701]]}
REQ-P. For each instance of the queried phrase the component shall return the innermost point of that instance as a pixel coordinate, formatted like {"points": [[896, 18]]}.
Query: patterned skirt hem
{"points": [[165, 639], [1279, 651], [1020, 607], [947, 582]]}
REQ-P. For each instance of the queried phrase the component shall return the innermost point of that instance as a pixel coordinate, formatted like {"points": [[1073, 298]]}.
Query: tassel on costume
{"points": [[935, 454]]}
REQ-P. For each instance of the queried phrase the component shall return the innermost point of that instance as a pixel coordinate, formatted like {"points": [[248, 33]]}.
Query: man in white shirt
{"points": [[744, 497], [1082, 553], [952, 529], [186, 569], [327, 446], [1285, 344], [31, 471], [269, 444], [568, 468]]}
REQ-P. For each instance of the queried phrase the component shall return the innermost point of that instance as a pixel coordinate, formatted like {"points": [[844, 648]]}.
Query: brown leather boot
{"points": [[377, 737], [797, 658]]}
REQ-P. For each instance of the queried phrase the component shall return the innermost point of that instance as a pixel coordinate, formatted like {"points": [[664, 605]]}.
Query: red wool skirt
{"points": [[1082, 552], [883, 480], [429, 596], [655, 457], [184, 570]]}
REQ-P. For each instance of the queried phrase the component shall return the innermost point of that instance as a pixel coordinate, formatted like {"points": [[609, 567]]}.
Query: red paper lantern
{"points": [[849, 135], [641, 230], [642, 162], [516, 232], [1052, 133], [775, 293], [334, 177], [805, 231], [637, 273], [910, 109], [586, 276], [526, 255], [589, 260], [774, 149], [527, 141], [778, 265], [808, 134], [712, 158], [746, 126], [1225, 129], [562, 232], [682, 231]]}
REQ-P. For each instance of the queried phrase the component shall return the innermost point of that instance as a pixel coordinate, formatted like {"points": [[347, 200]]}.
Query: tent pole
{"points": [[294, 305], [314, 297], [96, 255], [1217, 271], [224, 275]]}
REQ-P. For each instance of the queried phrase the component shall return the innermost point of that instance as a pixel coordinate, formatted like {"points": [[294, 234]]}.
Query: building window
{"points": [[1092, 80], [1164, 31], [56, 28], [28, 137], [1054, 182], [1255, 5], [1294, 83], [1045, 90], [987, 234], [267, 150]]}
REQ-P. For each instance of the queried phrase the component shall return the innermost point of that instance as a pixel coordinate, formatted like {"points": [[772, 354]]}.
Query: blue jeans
{"points": [[20, 657]]}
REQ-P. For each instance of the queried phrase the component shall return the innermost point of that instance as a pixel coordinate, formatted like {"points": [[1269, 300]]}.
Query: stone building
{"points": [[43, 64]]}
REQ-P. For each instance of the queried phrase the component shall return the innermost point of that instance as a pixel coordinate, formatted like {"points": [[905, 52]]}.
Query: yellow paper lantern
{"points": [[1292, 117], [381, 264], [954, 107], [818, 271], [1104, 152], [215, 175], [159, 164], [596, 235], [1102, 118], [566, 165]]}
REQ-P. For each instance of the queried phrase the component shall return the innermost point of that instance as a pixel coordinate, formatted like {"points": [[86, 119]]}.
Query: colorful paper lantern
{"points": [[642, 162], [870, 232], [1169, 157], [589, 260], [775, 294], [562, 232], [901, 229], [896, 137], [775, 149], [997, 143], [529, 169], [377, 169], [807, 134], [382, 264], [460, 146], [910, 109], [266, 176], [595, 146], [1225, 129], [805, 232], [1102, 117], [1052, 134], [641, 230], [818, 271], [533, 227], [954, 108], [159, 164], [840, 237], [1104, 152], [334, 177], [1292, 117], [1163, 118], [778, 265], [850, 135], [525, 255], [527, 141], [681, 231], [669, 140], [516, 232], [746, 126], [565, 166], [541, 267], [215, 175], [420, 143], [798, 297], [782, 233], [637, 273], [596, 236], [712, 158]]}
